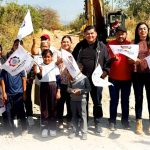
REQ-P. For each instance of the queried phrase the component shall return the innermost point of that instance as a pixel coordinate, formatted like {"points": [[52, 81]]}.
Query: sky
{"points": [[68, 10]]}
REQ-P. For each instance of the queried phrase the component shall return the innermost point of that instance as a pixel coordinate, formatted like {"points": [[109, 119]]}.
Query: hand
{"points": [[104, 75], [143, 64], [35, 69], [24, 96], [58, 95], [77, 92], [138, 61], [59, 61], [40, 69], [4, 97]]}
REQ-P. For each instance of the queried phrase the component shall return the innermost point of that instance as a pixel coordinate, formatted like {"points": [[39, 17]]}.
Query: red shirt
{"points": [[120, 69]]}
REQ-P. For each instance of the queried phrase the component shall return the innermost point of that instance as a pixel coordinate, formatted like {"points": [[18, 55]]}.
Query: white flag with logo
{"points": [[97, 81], [26, 26], [70, 63], [18, 61], [130, 51]]}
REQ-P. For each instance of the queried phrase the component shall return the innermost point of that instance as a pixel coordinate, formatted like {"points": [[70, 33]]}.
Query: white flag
{"points": [[130, 51], [97, 81], [18, 61], [26, 26], [70, 63]]}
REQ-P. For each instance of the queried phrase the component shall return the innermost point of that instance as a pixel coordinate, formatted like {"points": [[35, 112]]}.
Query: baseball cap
{"points": [[45, 36], [121, 29]]}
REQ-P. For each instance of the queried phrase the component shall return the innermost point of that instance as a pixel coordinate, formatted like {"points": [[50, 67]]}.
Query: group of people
{"points": [[54, 85]]}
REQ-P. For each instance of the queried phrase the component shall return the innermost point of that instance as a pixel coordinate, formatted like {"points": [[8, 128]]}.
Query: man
{"points": [[120, 77], [89, 53]]}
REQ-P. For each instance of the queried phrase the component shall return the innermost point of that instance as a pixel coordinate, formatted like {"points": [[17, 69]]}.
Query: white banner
{"points": [[97, 81], [26, 26], [70, 63], [18, 61], [130, 51]]}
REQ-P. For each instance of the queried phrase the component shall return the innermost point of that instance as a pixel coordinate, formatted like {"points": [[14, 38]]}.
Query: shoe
{"points": [[45, 133], [98, 128], [126, 125], [71, 135], [84, 136], [61, 126], [30, 121], [52, 133], [112, 126], [139, 127]]}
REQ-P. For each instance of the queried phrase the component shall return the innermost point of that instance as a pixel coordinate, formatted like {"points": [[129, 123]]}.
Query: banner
{"points": [[97, 81], [130, 51], [26, 27], [70, 63], [18, 61]]}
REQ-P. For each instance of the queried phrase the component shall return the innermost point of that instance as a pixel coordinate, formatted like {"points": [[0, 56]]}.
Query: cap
{"points": [[121, 29], [45, 36]]}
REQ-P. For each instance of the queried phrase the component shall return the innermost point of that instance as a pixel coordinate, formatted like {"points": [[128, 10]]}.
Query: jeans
{"points": [[139, 81], [79, 113], [125, 88]]}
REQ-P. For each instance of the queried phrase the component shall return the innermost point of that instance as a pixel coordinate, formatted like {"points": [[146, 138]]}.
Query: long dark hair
{"points": [[68, 37], [137, 37]]}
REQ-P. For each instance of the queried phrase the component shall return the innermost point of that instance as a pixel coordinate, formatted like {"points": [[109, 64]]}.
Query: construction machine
{"points": [[105, 24]]}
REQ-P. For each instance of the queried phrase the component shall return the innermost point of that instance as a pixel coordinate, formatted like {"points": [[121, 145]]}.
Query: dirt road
{"points": [[117, 140]]}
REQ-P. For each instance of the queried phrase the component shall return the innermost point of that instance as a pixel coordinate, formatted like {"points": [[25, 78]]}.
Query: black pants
{"points": [[139, 81], [65, 97], [48, 104], [125, 88], [14, 108], [28, 101], [96, 95]]}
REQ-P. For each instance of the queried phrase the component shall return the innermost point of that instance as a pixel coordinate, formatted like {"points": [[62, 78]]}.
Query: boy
{"points": [[78, 89], [13, 93]]}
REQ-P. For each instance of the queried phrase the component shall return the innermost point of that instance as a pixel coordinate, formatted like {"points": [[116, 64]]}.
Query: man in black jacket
{"points": [[89, 53]]}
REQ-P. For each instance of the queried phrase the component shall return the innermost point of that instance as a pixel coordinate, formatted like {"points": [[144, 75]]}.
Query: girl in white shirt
{"points": [[49, 77]]}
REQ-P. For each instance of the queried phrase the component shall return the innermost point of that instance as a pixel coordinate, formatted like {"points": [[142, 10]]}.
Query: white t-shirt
{"points": [[49, 72]]}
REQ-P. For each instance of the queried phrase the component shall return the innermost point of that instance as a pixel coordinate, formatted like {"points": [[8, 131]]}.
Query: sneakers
{"points": [[61, 126], [84, 136], [45, 133], [52, 133], [139, 127], [30, 121], [112, 126]]}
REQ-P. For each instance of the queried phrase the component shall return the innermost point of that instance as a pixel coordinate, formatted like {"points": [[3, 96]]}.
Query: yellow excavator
{"points": [[94, 14]]}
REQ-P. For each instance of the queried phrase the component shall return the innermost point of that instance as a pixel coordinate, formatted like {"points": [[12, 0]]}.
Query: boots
{"points": [[139, 127]]}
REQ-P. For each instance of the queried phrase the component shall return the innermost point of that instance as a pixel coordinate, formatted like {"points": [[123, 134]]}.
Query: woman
{"points": [[65, 96], [141, 74]]}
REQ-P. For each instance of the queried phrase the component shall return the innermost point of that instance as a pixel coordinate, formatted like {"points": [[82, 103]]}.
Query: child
{"points": [[78, 89], [13, 93], [49, 77]]}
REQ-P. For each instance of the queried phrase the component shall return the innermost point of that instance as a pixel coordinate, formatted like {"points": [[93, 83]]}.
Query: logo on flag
{"points": [[14, 61], [18, 61]]}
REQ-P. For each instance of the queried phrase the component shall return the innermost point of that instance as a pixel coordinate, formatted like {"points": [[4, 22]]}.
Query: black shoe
{"points": [[98, 129], [126, 125], [84, 136], [112, 126]]}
